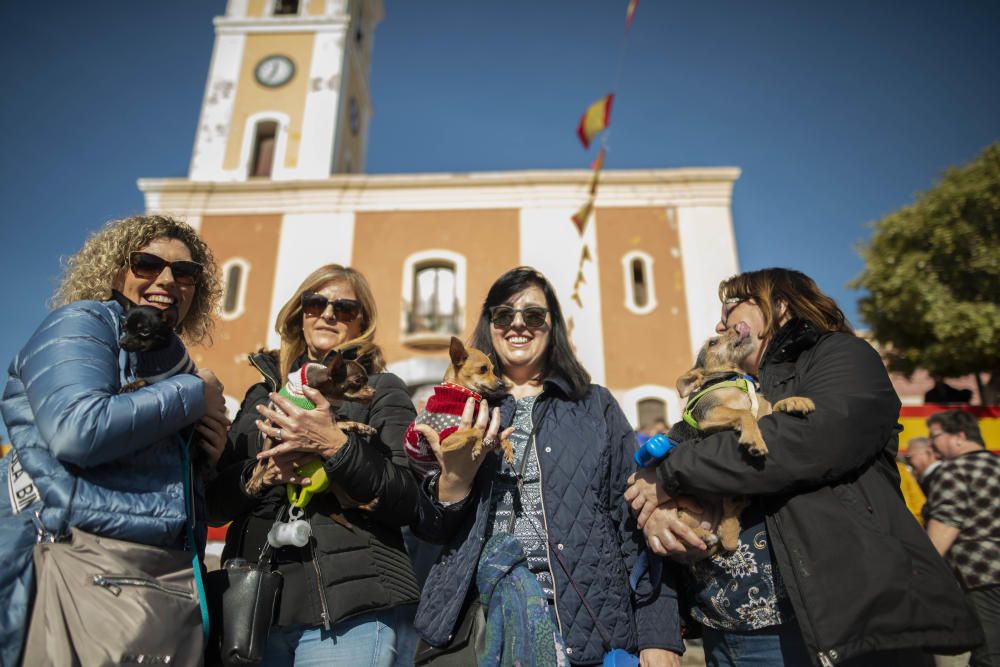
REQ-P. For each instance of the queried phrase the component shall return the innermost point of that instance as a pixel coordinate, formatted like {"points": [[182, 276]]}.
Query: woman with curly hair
{"points": [[98, 459]]}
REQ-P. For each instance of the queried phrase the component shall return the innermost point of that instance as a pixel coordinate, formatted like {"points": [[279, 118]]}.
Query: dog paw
{"points": [[757, 448], [798, 404]]}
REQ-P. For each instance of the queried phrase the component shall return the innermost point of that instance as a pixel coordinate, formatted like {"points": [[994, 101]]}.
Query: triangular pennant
{"points": [[595, 120], [581, 216], [630, 13], [585, 256]]}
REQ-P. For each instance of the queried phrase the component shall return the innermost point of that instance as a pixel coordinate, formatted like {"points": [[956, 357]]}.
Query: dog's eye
{"points": [[712, 343], [483, 369]]}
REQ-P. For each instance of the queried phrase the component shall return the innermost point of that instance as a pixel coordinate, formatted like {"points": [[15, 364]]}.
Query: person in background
{"points": [[963, 520], [913, 496], [924, 461]]}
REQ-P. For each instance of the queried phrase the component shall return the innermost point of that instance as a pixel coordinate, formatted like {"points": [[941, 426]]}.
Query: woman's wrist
{"points": [[451, 489]]}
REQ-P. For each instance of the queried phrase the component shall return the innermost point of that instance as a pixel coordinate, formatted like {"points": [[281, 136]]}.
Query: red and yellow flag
{"points": [[596, 165], [630, 12], [595, 120], [581, 216]]}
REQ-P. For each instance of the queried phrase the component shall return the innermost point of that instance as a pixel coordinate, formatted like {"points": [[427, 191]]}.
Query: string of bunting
{"points": [[595, 120]]}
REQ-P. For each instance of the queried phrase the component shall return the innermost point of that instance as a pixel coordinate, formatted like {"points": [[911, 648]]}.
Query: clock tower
{"points": [[287, 96]]}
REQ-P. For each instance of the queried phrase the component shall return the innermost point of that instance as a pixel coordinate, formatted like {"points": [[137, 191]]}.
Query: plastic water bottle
{"points": [[653, 451]]}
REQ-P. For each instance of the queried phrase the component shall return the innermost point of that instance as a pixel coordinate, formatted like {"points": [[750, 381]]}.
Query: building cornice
{"points": [[696, 186], [226, 25]]}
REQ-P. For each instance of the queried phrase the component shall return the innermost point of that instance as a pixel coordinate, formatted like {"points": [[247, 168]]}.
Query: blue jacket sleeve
{"points": [[69, 369], [657, 616]]}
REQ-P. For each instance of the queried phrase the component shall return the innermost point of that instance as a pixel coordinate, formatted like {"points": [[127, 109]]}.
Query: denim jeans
{"points": [[782, 646], [368, 640]]}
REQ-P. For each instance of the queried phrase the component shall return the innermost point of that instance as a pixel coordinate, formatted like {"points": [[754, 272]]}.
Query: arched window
{"points": [[640, 295], [234, 281], [435, 300], [264, 140], [286, 7], [651, 410], [433, 297]]}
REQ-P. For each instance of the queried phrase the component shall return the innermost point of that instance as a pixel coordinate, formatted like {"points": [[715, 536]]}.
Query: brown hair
{"points": [[93, 270], [954, 422], [771, 287], [289, 322]]}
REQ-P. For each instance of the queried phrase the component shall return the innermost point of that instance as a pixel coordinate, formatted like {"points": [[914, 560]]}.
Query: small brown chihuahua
{"points": [[733, 404], [470, 374]]}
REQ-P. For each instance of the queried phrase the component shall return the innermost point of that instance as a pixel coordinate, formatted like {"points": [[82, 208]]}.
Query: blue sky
{"points": [[837, 113]]}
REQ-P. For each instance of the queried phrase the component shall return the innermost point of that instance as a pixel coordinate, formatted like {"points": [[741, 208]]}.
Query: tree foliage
{"points": [[933, 275]]}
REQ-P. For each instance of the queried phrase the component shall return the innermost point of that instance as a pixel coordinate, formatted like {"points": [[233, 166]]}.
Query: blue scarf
{"points": [[520, 631]]}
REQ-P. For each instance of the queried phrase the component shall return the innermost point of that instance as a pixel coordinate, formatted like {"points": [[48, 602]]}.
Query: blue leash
{"points": [[195, 561]]}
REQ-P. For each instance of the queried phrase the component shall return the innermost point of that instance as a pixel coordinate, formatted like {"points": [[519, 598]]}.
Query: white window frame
{"points": [[410, 264], [280, 143], [670, 397], [647, 262], [241, 297]]}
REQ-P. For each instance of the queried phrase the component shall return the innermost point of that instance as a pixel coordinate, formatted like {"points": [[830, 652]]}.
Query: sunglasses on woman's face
{"points": [[502, 317], [345, 310], [148, 266]]}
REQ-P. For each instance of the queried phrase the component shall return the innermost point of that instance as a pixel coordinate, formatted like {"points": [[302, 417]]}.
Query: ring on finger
{"points": [[277, 436], [490, 443]]}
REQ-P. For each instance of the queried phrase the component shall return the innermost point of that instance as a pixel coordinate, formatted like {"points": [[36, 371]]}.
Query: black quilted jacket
{"points": [[585, 450], [344, 572], [860, 572]]}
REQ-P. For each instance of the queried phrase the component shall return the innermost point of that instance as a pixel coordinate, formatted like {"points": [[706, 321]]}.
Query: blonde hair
{"points": [[289, 322], [771, 287], [92, 272]]}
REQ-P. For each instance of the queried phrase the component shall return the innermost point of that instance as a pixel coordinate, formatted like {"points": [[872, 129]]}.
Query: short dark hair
{"points": [[768, 287], [560, 360], [957, 421]]}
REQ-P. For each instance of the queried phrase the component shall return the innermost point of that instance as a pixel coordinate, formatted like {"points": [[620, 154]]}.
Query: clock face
{"points": [[274, 71]]}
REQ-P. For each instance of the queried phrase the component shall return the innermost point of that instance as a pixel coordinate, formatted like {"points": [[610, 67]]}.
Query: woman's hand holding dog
{"points": [[644, 494], [300, 435], [656, 514], [215, 424], [458, 468]]}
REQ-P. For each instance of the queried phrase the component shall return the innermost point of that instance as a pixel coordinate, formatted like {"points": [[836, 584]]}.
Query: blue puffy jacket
{"points": [[106, 462], [585, 450]]}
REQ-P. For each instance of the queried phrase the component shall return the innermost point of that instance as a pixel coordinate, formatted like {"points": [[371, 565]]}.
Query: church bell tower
{"points": [[287, 96]]}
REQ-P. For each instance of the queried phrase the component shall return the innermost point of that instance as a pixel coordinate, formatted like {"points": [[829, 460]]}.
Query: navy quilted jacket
{"points": [[109, 460], [585, 450]]}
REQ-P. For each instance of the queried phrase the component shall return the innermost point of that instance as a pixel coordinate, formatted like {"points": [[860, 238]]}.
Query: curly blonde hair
{"points": [[92, 272], [289, 320]]}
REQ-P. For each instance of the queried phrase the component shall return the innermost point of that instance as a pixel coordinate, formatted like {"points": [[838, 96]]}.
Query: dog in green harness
{"points": [[720, 396]]}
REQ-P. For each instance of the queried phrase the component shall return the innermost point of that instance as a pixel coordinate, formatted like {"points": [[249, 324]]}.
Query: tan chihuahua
{"points": [[721, 398], [470, 374]]}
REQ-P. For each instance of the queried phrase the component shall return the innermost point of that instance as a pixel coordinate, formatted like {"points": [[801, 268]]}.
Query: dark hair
{"points": [[956, 421], [769, 287], [560, 360]]}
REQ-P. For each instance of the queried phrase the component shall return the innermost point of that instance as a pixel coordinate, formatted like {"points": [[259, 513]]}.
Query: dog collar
{"points": [[745, 383], [463, 390]]}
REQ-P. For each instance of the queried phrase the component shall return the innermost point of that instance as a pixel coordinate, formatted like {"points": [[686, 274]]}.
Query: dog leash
{"points": [[189, 524]]}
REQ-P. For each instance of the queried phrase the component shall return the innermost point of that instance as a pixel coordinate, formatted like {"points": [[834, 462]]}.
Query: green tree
{"points": [[932, 273]]}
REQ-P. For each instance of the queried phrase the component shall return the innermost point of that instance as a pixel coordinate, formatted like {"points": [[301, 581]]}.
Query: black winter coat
{"points": [[344, 572], [861, 574], [585, 450]]}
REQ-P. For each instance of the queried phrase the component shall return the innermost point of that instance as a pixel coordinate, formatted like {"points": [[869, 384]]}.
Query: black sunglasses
{"points": [[345, 310], [148, 266], [502, 317]]}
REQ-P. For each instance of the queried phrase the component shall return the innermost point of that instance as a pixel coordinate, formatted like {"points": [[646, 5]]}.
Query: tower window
{"points": [[234, 286], [286, 7], [262, 160], [640, 295], [651, 410], [435, 300]]}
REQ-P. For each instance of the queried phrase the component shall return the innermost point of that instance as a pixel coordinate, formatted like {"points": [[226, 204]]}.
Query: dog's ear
{"points": [[316, 374], [457, 352], [687, 383], [125, 302]]}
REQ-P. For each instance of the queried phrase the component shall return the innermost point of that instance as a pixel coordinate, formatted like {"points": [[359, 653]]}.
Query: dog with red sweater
{"points": [[470, 375]]}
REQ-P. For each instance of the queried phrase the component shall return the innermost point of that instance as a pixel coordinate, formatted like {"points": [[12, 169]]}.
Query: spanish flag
{"points": [[595, 120], [581, 217], [630, 12], [597, 165]]}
